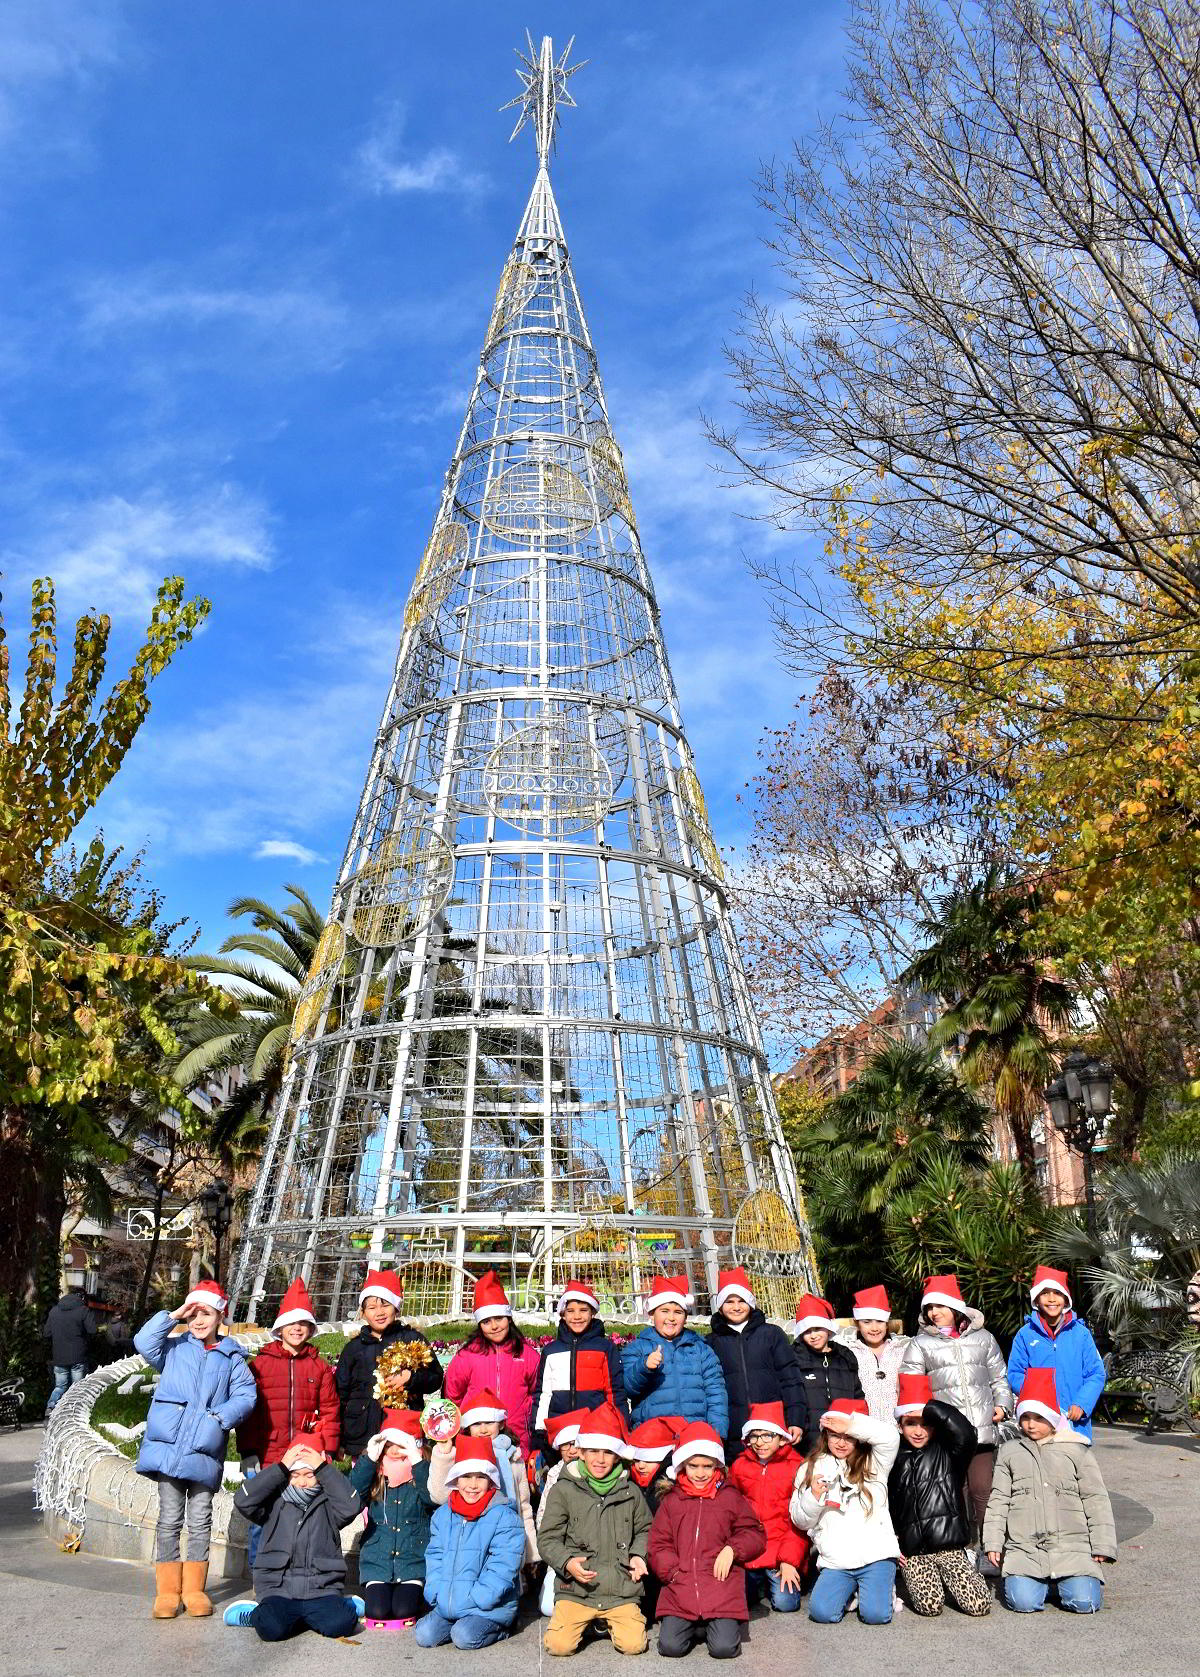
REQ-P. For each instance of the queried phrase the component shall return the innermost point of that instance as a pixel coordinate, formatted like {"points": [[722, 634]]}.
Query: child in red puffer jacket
{"points": [[765, 1473], [296, 1392]]}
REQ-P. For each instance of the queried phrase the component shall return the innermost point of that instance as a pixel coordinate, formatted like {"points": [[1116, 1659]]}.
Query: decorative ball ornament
{"points": [[612, 485], [440, 1419], [517, 285], [538, 499], [548, 775], [436, 574], [322, 975], [400, 890], [699, 827]]}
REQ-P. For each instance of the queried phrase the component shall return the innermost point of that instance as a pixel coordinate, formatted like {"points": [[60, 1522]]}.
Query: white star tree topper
{"points": [[543, 81]]}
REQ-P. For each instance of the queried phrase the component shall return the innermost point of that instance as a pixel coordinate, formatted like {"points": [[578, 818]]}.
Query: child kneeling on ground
{"points": [[841, 1500], [766, 1473], [301, 1505], [399, 1491], [1049, 1523], [594, 1529], [473, 1562], [925, 1496], [703, 1537]]}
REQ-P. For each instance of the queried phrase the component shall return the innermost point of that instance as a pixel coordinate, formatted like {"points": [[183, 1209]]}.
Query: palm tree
{"points": [[984, 962], [905, 1111]]}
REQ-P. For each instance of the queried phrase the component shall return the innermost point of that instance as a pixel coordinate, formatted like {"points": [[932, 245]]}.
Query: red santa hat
{"points": [[403, 1427], [1046, 1279], [211, 1294], [766, 1417], [697, 1439], [813, 1313], [382, 1284], [578, 1292], [603, 1429], [490, 1297], [841, 1409], [307, 1441], [733, 1283], [564, 1429], [871, 1305], [294, 1306], [669, 1289], [1039, 1396], [473, 1455], [913, 1392], [482, 1405], [655, 1439], [944, 1289]]}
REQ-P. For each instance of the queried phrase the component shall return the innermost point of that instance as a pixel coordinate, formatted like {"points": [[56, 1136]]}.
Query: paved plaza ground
{"points": [[77, 1616]]}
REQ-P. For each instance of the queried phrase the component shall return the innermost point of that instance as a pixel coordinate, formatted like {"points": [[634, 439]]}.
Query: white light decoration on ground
{"points": [[527, 1041]]}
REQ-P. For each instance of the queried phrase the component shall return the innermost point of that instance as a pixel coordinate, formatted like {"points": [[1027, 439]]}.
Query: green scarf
{"points": [[602, 1486]]}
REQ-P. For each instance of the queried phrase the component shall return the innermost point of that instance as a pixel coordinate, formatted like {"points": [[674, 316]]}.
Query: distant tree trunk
{"points": [[18, 1209], [51, 1208]]}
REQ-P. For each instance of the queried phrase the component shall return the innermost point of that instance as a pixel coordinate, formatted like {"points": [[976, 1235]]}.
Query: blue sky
{"points": [[247, 254]]}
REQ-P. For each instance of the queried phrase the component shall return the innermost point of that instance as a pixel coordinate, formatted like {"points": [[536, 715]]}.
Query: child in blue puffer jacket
{"points": [[206, 1389], [473, 1562], [668, 1369], [1052, 1336]]}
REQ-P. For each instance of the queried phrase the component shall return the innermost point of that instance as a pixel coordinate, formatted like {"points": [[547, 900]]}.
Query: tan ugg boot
{"points": [[168, 1586], [195, 1576]]}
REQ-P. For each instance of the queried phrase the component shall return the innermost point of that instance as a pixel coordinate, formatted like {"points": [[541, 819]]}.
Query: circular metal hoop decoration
{"points": [[440, 565], [612, 485], [399, 891], [537, 497], [548, 775], [695, 811], [326, 964], [517, 285]]}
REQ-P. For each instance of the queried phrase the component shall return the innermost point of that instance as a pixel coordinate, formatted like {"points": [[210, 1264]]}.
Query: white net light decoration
{"points": [[526, 1040]]}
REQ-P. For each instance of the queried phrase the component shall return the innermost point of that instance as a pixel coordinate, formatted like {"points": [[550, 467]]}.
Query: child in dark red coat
{"points": [[703, 1537], [296, 1393], [765, 1473]]}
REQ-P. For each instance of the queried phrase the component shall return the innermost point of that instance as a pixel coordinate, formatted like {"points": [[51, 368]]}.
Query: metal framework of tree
{"points": [[527, 1016]]}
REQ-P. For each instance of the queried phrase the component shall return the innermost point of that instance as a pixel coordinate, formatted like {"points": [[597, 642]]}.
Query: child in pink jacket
{"points": [[498, 1357]]}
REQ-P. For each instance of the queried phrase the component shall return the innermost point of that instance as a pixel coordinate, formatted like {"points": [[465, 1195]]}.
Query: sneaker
{"points": [[359, 1605], [238, 1614]]}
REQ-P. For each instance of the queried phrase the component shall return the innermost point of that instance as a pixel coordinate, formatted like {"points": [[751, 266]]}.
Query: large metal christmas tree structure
{"points": [[526, 1041]]}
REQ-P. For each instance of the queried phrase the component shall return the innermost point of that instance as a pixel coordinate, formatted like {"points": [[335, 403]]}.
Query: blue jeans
{"points": [[473, 1630], [64, 1379], [1076, 1595], [279, 1616], [832, 1591], [762, 1581]]}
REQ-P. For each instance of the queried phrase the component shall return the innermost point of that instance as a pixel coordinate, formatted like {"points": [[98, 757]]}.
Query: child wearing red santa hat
{"points": [[394, 1481], [473, 1562], [925, 1495], [765, 1472], [841, 1500], [1053, 1336], [379, 1302], [581, 1367], [497, 1357]]}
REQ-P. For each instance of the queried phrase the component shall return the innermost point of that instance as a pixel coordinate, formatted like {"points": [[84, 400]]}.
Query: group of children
{"points": [[681, 1478]]}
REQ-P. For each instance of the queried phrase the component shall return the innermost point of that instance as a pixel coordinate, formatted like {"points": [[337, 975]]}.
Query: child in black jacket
{"points": [[756, 1359], [826, 1370], [354, 1376], [925, 1499]]}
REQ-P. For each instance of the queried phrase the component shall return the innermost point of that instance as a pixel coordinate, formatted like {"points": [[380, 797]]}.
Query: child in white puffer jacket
{"points": [[841, 1501]]}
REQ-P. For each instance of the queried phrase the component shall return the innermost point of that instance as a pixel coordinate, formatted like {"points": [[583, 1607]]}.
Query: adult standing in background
{"points": [[70, 1328]]}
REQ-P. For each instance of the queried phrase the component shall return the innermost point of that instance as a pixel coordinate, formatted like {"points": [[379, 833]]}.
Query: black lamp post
{"points": [[216, 1207], [1080, 1101]]}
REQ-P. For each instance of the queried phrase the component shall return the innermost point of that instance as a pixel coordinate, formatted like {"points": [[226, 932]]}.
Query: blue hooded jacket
{"points": [[200, 1398], [474, 1566], [1071, 1353], [689, 1383]]}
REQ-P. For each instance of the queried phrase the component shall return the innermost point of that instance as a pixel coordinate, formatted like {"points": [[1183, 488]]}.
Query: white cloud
{"points": [[286, 850], [49, 48], [383, 167], [114, 551]]}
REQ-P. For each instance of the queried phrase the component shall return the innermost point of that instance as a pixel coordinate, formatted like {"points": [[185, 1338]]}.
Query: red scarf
{"points": [[684, 1484], [1055, 1328], [471, 1510]]}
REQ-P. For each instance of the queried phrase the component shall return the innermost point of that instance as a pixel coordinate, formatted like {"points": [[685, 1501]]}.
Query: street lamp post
{"points": [[1080, 1101], [216, 1207]]}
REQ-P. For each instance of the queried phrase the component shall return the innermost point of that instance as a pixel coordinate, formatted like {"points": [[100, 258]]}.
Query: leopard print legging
{"points": [[929, 1579]]}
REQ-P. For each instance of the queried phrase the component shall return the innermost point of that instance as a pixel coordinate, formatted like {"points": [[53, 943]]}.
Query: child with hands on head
{"points": [[841, 1500], [594, 1530], [393, 1478], [300, 1505], [205, 1388], [1049, 1523], [668, 1369], [765, 1472], [703, 1537]]}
